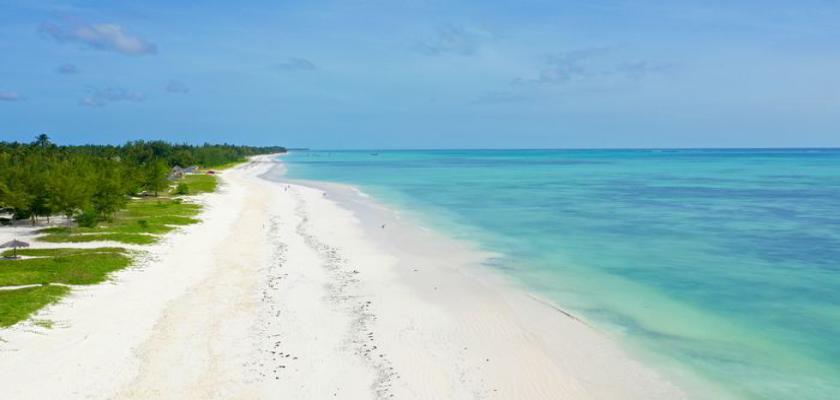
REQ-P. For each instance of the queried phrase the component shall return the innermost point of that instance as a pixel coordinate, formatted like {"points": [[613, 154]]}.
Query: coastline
{"points": [[282, 289], [448, 274]]}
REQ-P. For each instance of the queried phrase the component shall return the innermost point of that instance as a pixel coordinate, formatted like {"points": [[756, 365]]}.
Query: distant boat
{"points": [[374, 154]]}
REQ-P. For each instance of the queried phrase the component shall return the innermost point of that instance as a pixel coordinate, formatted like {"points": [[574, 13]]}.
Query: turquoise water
{"points": [[725, 263]]}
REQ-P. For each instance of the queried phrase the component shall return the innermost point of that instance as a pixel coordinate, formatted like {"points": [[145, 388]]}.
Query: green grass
{"points": [[19, 304], [48, 266], [172, 220], [199, 183], [62, 252], [159, 207], [128, 238], [68, 266], [112, 227], [44, 323], [139, 223]]}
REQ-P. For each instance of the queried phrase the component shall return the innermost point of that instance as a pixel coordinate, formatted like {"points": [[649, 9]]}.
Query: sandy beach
{"points": [[312, 291]]}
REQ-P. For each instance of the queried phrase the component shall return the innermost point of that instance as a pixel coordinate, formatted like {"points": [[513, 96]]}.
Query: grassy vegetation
{"points": [[142, 221], [199, 183], [61, 252], [41, 179], [17, 305], [127, 238], [67, 266], [44, 323], [139, 223]]}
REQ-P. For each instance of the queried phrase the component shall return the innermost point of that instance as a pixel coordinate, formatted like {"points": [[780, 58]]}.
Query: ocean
{"points": [[722, 265]]}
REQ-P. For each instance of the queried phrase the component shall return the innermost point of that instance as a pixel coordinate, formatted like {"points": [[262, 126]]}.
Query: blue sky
{"points": [[424, 74]]}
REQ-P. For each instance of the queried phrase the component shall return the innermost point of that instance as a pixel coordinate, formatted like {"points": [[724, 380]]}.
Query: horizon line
{"points": [[560, 148]]}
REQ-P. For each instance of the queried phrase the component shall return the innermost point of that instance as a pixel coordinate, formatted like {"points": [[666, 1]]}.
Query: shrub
{"points": [[182, 189], [22, 214], [88, 218]]}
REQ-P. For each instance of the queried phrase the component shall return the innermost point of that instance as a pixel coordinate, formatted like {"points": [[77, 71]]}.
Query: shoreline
{"points": [[412, 244], [477, 263], [282, 290]]}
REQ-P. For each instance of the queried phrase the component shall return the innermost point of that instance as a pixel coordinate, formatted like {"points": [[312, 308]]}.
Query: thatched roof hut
{"points": [[14, 244]]}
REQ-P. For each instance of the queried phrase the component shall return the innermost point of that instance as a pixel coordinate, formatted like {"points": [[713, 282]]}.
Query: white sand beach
{"points": [[297, 291]]}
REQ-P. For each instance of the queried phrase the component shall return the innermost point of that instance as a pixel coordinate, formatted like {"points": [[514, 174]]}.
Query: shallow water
{"points": [[724, 262]]}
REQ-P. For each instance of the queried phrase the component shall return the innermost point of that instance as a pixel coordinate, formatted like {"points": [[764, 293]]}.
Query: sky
{"points": [[424, 74]]}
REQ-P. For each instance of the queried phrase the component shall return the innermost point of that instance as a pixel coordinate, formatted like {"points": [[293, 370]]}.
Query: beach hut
{"points": [[176, 173], [14, 244]]}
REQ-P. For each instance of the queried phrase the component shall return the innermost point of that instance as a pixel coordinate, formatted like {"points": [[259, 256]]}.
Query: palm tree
{"points": [[42, 141]]}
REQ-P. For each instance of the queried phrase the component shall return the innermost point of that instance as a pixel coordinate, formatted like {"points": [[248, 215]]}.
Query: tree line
{"points": [[92, 182]]}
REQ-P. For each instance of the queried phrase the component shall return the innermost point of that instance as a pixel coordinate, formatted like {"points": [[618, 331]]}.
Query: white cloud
{"points": [[106, 37], [103, 97], [454, 39], [67, 69], [10, 96], [592, 65], [297, 64], [177, 87]]}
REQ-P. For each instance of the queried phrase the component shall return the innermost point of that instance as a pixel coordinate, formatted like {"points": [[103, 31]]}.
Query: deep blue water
{"points": [[724, 263]]}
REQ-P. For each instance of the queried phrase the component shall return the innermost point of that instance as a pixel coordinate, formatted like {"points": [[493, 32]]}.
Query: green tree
{"points": [[109, 195], [156, 178], [182, 189], [42, 141], [17, 200], [39, 178], [71, 186]]}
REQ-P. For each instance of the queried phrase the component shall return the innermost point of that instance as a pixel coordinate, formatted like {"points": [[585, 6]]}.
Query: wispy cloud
{"points": [[501, 97], [591, 65], [106, 37], [102, 97], [570, 66], [297, 64], [455, 39], [177, 87], [641, 69], [67, 69], [6, 95]]}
